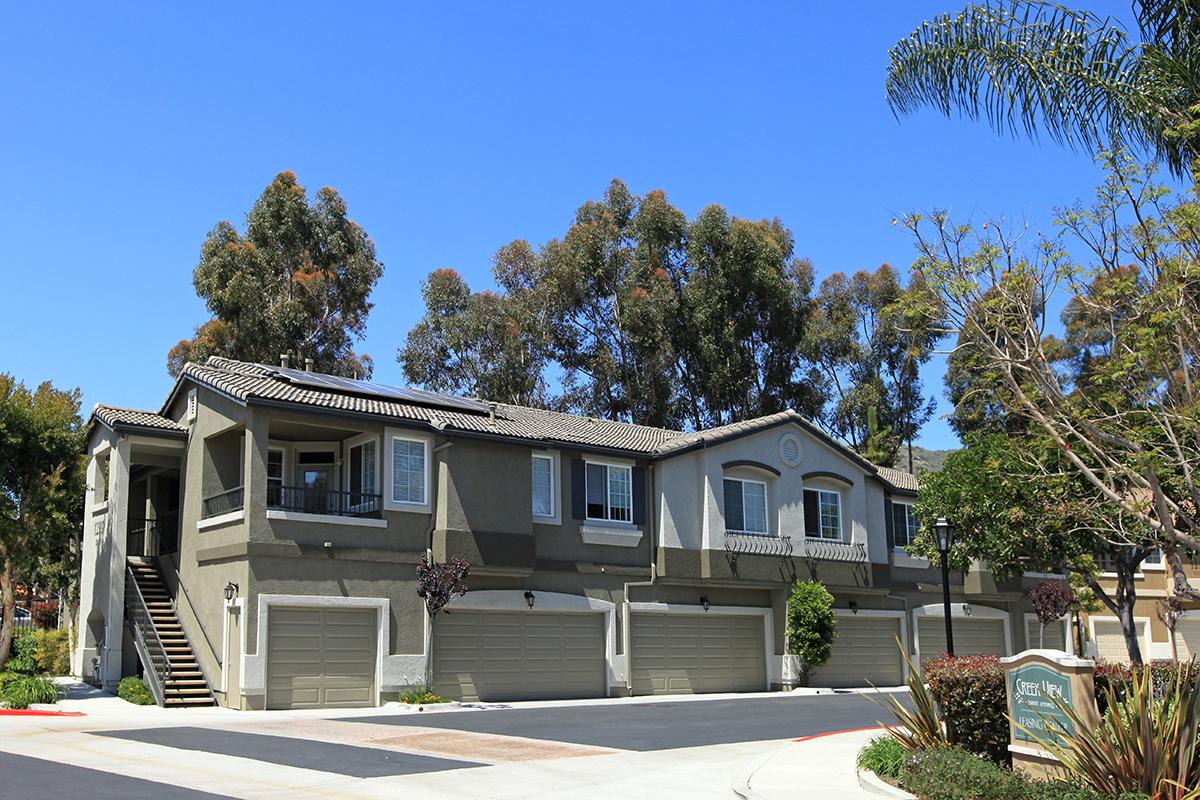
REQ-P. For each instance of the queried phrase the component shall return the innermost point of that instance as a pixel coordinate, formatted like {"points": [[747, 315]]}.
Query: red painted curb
{"points": [[33, 712], [835, 733]]}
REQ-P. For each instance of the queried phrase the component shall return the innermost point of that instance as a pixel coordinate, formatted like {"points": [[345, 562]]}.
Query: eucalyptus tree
{"points": [[298, 282], [1032, 66]]}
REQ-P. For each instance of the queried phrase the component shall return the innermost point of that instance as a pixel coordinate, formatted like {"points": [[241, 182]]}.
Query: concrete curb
{"points": [[741, 786], [875, 785]]}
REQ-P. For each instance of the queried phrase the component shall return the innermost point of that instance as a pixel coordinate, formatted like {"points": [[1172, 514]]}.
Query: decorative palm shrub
{"points": [[1146, 742], [917, 729], [971, 696], [811, 626]]}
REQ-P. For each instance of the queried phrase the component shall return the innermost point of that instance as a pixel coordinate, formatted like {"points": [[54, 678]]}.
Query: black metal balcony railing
{"points": [[152, 537], [757, 544], [309, 500], [223, 503], [832, 550]]}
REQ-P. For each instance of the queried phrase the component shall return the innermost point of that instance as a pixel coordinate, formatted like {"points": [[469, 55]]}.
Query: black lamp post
{"points": [[943, 532]]}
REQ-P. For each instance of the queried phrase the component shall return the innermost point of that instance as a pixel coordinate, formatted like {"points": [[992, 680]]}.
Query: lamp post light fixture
{"points": [[231, 590], [943, 533], [705, 603], [529, 598]]}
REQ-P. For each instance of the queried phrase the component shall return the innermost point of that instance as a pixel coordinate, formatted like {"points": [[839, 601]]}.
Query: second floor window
{"points": [[274, 476], [408, 471], [609, 492], [822, 514], [745, 506], [543, 486], [905, 526], [362, 471]]}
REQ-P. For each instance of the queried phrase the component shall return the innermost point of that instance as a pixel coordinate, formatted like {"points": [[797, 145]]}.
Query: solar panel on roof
{"points": [[405, 394]]}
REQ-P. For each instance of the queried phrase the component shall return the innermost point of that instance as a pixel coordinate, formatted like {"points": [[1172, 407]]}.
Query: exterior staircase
{"points": [[177, 672]]}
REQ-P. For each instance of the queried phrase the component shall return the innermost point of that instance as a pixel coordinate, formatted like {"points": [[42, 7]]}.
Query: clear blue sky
{"points": [[450, 130]]}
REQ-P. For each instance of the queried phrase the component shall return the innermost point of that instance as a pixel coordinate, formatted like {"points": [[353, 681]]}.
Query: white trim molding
{"points": [[221, 519], [960, 610], [617, 534], [391, 435], [558, 602], [556, 494], [392, 672], [774, 663], [325, 519]]}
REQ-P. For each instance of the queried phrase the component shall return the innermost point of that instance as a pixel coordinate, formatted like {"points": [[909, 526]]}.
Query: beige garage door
{"points": [[1110, 642], [321, 657], [864, 653], [972, 637], [695, 653], [1187, 639], [1049, 637], [519, 655]]}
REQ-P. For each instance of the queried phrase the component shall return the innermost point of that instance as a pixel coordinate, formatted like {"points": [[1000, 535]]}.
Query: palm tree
{"points": [[1032, 66]]}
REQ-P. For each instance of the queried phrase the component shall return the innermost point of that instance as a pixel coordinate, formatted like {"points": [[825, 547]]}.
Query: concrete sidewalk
{"points": [[820, 766]]}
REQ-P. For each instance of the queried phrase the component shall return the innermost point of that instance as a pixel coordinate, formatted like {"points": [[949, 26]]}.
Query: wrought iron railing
{"points": [[757, 544], [827, 550], [223, 503], [150, 647], [152, 537], [181, 594], [324, 501]]}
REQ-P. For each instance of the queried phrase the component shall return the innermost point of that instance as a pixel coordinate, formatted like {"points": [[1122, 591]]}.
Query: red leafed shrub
{"points": [[970, 693], [45, 614], [1119, 677]]}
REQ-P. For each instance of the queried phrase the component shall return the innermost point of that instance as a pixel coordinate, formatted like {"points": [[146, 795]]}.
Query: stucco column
{"points": [[85, 644], [118, 513]]}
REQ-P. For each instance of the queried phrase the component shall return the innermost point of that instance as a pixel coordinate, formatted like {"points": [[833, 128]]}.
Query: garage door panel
{"points": [[692, 653], [514, 655], [1045, 637], [1187, 639], [972, 637], [320, 658], [864, 653]]}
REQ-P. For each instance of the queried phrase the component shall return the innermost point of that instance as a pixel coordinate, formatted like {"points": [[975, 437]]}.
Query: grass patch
{"points": [[884, 756]]}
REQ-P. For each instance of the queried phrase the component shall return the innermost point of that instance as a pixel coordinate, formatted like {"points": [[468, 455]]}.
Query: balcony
{"points": [[313, 500], [833, 550], [152, 537], [747, 543], [224, 503]]}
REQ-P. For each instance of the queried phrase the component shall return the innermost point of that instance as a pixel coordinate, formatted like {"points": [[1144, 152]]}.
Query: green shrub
{"points": [[954, 774], [421, 696], [7, 678], [970, 693], [22, 657], [811, 625], [23, 691], [52, 651], [134, 690], [884, 756]]}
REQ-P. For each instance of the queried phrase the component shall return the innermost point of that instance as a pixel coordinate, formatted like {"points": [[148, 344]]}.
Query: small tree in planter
{"points": [[811, 626], [437, 585], [1051, 602]]}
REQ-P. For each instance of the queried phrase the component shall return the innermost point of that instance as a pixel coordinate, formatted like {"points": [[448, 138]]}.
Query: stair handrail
{"points": [[146, 636], [180, 588]]}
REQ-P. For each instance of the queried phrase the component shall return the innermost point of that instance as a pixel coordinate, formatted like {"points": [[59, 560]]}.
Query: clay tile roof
{"points": [[899, 479], [115, 417]]}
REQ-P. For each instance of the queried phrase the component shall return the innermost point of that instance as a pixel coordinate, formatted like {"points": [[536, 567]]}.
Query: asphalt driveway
{"points": [[665, 725]]}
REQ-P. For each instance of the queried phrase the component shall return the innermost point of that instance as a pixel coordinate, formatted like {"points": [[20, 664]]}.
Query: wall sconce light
{"points": [[853, 606], [231, 590], [967, 609], [529, 598], [704, 602]]}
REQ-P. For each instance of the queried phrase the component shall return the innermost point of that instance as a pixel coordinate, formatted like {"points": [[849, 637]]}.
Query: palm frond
{"points": [[918, 728], [1024, 66]]}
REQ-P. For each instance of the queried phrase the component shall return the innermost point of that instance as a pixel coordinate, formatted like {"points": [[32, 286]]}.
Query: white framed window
{"points": [[544, 487], [410, 471], [275, 472], [905, 525], [823, 514], [361, 469], [745, 506], [609, 492]]}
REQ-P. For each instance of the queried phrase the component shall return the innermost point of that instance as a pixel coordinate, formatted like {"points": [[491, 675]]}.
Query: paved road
{"points": [[666, 725], [33, 777]]}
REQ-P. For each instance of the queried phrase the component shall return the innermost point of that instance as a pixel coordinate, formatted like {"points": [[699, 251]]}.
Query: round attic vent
{"points": [[790, 449]]}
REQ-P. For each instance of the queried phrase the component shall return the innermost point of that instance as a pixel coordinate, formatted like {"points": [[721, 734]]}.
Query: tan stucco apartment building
{"points": [[254, 543]]}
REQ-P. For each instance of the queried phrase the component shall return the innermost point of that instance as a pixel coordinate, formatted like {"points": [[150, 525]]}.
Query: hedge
{"points": [[970, 694], [954, 774]]}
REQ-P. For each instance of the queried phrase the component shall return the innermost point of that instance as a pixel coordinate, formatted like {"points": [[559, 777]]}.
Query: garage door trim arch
{"points": [[934, 612], [560, 602]]}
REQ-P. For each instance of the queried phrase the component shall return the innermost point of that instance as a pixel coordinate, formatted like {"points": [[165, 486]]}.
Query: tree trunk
{"points": [[1126, 597], [8, 614], [429, 659]]}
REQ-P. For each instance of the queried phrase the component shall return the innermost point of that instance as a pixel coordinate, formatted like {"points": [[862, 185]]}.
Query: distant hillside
{"points": [[923, 458]]}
